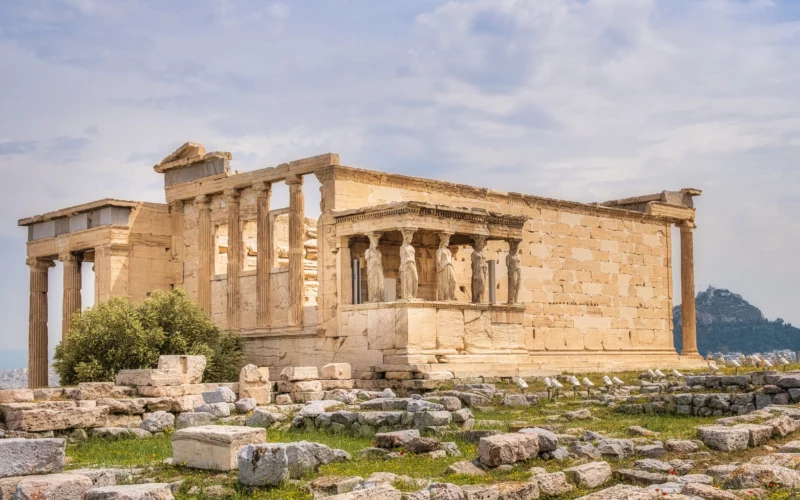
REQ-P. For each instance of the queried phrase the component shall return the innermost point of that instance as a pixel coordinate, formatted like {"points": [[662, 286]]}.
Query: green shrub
{"points": [[117, 335]]}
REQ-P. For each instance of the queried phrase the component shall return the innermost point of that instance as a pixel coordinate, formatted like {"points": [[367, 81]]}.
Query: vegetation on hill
{"points": [[118, 335], [728, 323]]}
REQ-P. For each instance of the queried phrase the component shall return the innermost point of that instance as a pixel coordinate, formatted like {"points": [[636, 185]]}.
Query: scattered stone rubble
{"points": [[733, 394], [33, 466]]}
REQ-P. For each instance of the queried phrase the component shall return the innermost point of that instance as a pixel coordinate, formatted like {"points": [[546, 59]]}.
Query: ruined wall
{"points": [[142, 266], [279, 261]]}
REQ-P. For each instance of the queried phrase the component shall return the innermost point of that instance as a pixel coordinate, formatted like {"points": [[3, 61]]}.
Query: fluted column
{"points": [[176, 240], [688, 311], [297, 231], [72, 290], [37, 323], [234, 256], [263, 253], [204, 249]]}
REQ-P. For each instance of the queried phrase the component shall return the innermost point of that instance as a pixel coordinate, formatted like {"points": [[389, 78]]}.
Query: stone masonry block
{"points": [[213, 446], [21, 457], [722, 438], [296, 373], [337, 371], [155, 378]]}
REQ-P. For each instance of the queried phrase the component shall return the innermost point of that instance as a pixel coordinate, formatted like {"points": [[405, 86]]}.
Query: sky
{"points": [[586, 100]]}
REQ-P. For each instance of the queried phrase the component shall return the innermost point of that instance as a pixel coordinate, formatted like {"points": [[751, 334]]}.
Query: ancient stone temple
{"points": [[397, 275]]}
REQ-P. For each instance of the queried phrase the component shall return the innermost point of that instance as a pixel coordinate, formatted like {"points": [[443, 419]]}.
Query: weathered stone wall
{"points": [[594, 279], [150, 251]]}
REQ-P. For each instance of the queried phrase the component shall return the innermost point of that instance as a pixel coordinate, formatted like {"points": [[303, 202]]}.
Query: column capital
{"points": [[232, 195], [479, 240], [41, 265], [70, 257], [175, 205], [262, 187], [687, 225], [324, 175], [294, 180], [202, 201]]}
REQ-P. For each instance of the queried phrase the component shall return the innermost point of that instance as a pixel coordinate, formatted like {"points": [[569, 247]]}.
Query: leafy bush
{"points": [[116, 335]]}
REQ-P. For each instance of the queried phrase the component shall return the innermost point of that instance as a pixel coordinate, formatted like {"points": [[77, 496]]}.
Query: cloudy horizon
{"points": [[585, 100]]}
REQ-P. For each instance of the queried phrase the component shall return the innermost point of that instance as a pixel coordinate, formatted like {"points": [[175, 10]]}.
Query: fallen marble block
{"points": [[53, 487], [21, 457], [213, 446], [148, 491]]}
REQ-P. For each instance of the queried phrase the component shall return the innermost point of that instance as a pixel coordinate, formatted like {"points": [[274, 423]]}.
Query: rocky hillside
{"points": [[728, 323]]}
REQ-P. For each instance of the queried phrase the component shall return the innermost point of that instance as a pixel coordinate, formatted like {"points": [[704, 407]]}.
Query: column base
{"points": [[691, 354]]}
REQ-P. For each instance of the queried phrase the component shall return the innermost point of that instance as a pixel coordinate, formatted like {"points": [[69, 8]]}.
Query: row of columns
{"points": [[263, 242], [445, 272], [37, 315]]}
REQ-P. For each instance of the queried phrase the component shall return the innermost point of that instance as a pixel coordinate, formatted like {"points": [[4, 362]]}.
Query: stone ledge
{"points": [[433, 305]]}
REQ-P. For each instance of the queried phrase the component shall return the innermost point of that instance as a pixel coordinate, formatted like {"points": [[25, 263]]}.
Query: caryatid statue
{"points": [[513, 264], [445, 272], [480, 269], [409, 278], [374, 268]]}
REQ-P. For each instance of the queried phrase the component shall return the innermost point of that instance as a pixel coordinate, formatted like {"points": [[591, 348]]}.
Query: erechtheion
{"points": [[398, 275]]}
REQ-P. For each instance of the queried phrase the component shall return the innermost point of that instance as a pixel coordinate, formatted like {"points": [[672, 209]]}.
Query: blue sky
{"points": [[584, 100]]}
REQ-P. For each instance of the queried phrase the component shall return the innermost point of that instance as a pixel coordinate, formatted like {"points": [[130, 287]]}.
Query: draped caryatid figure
{"points": [[480, 269], [445, 272], [409, 277], [514, 265], [374, 260]]}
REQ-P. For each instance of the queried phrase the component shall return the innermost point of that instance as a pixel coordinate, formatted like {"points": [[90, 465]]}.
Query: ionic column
{"points": [[37, 323], [687, 290], [176, 240], [263, 251], [72, 290], [234, 256], [204, 249], [297, 232]]}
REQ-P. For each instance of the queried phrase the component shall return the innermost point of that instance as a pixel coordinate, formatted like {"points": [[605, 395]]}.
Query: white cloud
{"points": [[586, 100]]}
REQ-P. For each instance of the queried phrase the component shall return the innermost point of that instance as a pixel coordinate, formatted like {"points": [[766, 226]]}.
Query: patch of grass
{"points": [[124, 452]]}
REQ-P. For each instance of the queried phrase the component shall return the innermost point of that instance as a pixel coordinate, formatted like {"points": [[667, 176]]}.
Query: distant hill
{"points": [[728, 323]]}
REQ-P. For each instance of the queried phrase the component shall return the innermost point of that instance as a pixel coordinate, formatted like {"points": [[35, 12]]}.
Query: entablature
{"points": [[428, 217]]}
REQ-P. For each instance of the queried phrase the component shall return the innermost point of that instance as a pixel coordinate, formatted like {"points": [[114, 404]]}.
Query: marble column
{"points": [[297, 236], [480, 269], [37, 323], [689, 318], [205, 252], [234, 256], [176, 240], [71, 303], [263, 253]]}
